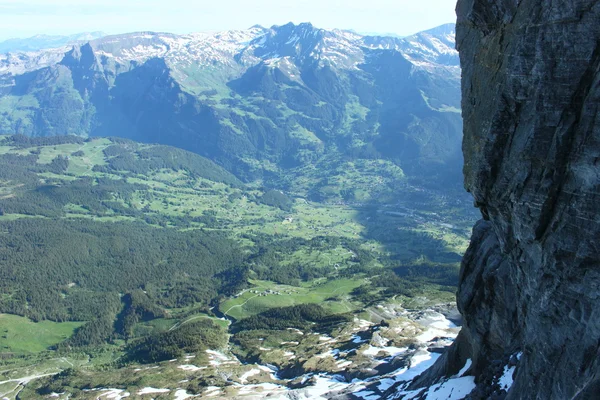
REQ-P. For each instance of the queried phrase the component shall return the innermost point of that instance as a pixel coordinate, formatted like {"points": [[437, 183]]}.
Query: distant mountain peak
{"points": [[42, 41], [445, 29], [281, 46]]}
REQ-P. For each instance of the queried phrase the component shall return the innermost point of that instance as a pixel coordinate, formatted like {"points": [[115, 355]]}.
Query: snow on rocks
{"points": [[270, 369], [218, 358], [113, 394], [367, 395], [322, 385], [189, 367], [330, 353], [265, 388], [452, 389], [465, 368], [182, 394], [388, 350], [363, 346], [506, 380], [357, 339], [248, 374], [435, 320], [385, 384], [212, 391]]}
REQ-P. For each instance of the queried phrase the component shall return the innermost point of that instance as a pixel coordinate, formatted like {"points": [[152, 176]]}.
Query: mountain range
{"points": [[39, 42], [261, 102]]}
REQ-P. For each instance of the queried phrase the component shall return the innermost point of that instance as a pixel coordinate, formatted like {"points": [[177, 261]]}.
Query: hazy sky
{"points": [[24, 18]]}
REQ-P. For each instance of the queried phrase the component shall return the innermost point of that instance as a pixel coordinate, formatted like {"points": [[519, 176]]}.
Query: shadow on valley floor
{"points": [[422, 237]]}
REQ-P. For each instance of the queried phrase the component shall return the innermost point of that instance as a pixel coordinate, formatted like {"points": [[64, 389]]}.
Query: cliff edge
{"points": [[529, 281]]}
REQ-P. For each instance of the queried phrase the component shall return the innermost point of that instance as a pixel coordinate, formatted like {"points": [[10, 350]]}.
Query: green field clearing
{"points": [[21, 335], [250, 303]]}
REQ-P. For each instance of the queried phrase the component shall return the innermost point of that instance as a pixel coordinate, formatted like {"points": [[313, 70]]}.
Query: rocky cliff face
{"points": [[529, 282]]}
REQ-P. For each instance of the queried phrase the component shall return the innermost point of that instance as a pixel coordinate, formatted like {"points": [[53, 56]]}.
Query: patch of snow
{"points": [[441, 47], [189, 367], [418, 364], [325, 384], [264, 387], [246, 375], [363, 323], [465, 368], [357, 339], [367, 395], [212, 391], [149, 390], [385, 384], [333, 353], [218, 358], [113, 394], [266, 369], [432, 333], [182, 394], [443, 324], [390, 350], [506, 380], [293, 39], [452, 389]]}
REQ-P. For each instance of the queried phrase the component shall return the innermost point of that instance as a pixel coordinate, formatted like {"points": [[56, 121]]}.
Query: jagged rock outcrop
{"points": [[529, 281]]}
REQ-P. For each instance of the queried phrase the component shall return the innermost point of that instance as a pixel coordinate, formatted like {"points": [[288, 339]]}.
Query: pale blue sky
{"points": [[23, 18]]}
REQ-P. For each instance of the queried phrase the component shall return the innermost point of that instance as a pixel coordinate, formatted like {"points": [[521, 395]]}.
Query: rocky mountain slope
{"points": [[529, 281], [257, 101]]}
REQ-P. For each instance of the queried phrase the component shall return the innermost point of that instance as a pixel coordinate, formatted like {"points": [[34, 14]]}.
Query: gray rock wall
{"points": [[529, 281]]}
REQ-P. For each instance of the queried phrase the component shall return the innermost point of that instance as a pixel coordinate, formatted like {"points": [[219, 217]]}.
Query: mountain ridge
{"points": [[41, 41], [258, 102]]}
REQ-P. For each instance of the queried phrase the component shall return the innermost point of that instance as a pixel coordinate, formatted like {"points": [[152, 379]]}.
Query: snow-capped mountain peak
{"points": [[236, 49]]}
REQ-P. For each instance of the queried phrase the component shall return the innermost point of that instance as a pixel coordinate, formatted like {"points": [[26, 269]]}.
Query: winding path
{"points": [[241, 305]]}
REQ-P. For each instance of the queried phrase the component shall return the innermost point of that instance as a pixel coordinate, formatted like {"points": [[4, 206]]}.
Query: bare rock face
{"points": [[530, 280]]}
